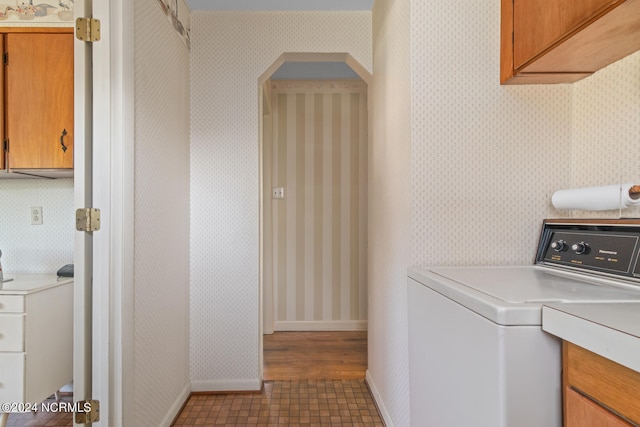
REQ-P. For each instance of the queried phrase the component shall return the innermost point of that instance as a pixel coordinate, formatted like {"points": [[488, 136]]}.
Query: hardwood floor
{"points": [[315, 355]]}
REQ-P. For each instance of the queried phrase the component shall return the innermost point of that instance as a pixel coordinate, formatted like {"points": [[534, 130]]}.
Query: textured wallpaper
{"points": [[42, 248], [485, 158], [319, 156], [390, 215], [606, 130], [161, 218], [229, 52]]}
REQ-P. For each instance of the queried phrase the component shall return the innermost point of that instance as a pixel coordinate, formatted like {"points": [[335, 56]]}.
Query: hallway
{"points": [[311, 379]]}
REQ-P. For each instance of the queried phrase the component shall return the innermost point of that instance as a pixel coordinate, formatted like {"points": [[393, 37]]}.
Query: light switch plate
{"points": [[277, 193]]}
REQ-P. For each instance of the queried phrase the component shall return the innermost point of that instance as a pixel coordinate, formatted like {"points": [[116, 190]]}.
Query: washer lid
{"points": [[514, 295]]}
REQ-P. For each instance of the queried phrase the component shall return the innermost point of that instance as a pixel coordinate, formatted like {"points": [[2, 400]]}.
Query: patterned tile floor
{"points": [[286, 403], [325, 403]]}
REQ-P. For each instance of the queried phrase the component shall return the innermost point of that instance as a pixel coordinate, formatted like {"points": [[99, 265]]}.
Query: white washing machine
{"points": [[478, 356]]}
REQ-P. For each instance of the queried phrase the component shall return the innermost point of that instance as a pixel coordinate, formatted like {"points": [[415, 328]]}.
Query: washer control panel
{"points": [[608, 248]]}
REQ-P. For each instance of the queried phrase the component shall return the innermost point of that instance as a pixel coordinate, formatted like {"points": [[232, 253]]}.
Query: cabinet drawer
{"points": [[11, 332], [586, 413], [12, 377], [613, 385], [11, 304]]}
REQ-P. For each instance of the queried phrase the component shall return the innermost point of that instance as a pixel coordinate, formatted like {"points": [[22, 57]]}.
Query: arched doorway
{"points": [[314, 134]]}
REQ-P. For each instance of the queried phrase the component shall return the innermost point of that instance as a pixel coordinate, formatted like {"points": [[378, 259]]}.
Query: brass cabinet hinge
{"points": [[88, 411], [88, 219], [88, 29]]}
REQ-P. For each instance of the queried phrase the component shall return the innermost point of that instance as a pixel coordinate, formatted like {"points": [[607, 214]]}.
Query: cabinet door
{"points": [[12, 377], [539, 24], [583, 412], [3, 163], [39, 100]]}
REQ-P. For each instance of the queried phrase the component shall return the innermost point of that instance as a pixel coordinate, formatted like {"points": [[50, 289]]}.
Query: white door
{"points": [[103, 326]]}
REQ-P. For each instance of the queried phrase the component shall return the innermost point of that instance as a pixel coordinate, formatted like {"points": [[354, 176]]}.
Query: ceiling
{"points": [[314, 70], [196, 5]]}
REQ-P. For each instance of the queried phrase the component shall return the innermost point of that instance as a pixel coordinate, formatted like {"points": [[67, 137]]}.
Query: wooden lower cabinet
{"points": [[584, 412], [597, 391]]}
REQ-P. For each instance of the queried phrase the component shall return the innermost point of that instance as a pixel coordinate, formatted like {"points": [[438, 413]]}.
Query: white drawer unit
{"points": [[11, 304], [36, 338], [12, 332]]}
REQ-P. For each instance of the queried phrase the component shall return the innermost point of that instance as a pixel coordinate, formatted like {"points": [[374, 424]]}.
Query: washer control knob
{"points": [[559, 245], [580, 248]]}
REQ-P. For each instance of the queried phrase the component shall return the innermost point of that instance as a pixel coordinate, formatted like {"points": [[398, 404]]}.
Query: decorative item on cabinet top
{"points": [[26, 13], [563, 41], [179, 14]]}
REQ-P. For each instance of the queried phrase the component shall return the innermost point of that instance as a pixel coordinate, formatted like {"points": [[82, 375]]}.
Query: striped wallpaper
{"points": [[318, 154]]}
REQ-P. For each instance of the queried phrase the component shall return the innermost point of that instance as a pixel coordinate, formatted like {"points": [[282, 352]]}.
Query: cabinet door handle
{"points": [[64, 147]]}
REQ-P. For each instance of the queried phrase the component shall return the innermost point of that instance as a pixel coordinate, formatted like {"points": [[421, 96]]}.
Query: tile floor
{"points": [[291, 397], [286, 403]]}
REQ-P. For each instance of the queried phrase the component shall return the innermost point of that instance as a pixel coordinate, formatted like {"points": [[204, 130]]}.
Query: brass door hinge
{"points": [[88, 29], [88, 219], [88, 411]]}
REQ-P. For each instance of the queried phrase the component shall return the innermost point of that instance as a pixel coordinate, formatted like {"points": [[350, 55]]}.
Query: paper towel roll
{"points": [[602, 198]]}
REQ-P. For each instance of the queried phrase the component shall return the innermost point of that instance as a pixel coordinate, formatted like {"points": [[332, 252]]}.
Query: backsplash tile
{"points": [[42, 248]]}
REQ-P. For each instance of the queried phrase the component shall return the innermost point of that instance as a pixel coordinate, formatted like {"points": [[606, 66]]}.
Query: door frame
{"points": [[267, 318], [103, 350]]}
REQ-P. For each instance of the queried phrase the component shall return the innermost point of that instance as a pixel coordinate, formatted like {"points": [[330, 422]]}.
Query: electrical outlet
{"points": [[36, 215]]}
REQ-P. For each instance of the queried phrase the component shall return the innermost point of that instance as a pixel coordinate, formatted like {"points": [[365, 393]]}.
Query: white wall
{"points": [[389, 252], [42, 248], [230, 50], [485, 158], [606, 129], [161, 329]]}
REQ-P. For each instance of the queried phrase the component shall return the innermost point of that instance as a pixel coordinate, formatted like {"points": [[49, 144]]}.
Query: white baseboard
{"points": [[226, 385], [386, 418], [174, 410], [321, 325]]}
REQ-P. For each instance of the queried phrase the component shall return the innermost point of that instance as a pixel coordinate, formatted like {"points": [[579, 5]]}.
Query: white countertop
{"points": [[611, 330], [23, 284]]}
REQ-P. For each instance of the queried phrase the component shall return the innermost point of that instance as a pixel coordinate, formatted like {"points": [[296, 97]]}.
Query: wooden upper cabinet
{"points": [[39, 100], [562, 41], [3, 154]]}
